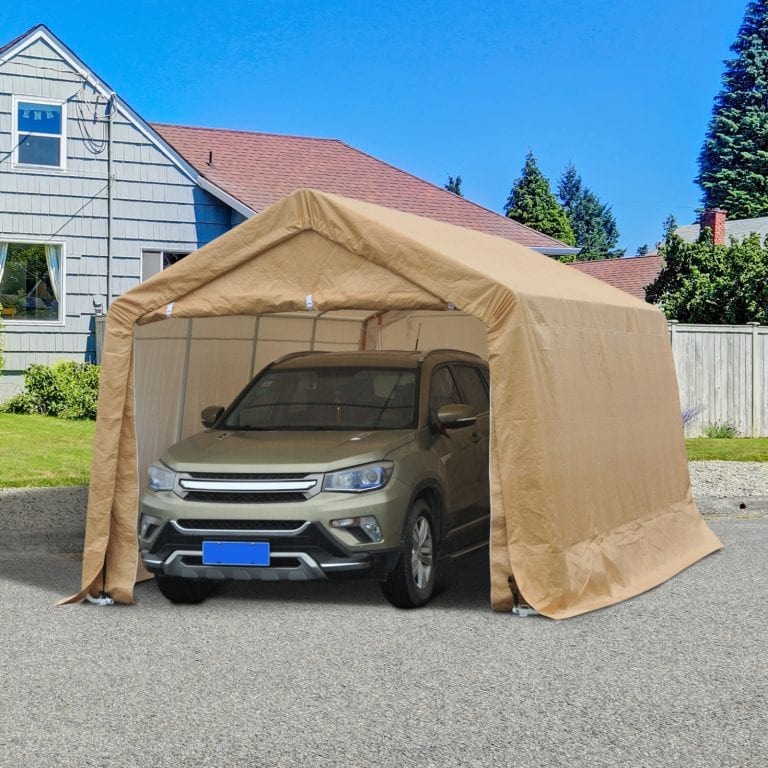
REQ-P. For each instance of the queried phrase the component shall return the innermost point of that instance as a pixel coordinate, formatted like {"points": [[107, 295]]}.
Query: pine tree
{"points": [[531, 202], [454, 185], [733, 163], [669, 226], [592, 222]]}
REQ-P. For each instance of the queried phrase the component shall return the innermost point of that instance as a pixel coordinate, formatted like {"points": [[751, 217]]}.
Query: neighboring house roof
{"points": [[631, 274], [260, 168], [738, 228]]}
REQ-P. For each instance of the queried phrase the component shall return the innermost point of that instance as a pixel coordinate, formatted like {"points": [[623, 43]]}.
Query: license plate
{"points": [[235, 553]]}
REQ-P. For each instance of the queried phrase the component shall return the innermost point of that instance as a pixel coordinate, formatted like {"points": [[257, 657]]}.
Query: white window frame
{"points": [[28, 240], [62, 166]]}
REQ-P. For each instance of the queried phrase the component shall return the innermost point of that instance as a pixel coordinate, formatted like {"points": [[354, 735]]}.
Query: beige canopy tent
{"points": [[591, 498]]}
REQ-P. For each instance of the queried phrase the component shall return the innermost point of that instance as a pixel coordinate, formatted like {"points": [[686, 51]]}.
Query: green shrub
{"points": [[21, 403], [66, 389], [720, 430]]}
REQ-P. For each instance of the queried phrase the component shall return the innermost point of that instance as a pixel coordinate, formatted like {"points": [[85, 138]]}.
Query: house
{"points": [[634, 274], [94, 199], [723, 231]]}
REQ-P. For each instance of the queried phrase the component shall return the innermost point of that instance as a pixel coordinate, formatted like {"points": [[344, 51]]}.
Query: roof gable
{"points": [[42, 33]]}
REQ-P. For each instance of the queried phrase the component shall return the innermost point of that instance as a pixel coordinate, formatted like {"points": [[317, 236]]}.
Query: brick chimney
{"points": [[714, 219]]}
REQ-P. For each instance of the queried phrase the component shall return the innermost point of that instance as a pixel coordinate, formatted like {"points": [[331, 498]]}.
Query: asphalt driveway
{"points": [[331, 675]]}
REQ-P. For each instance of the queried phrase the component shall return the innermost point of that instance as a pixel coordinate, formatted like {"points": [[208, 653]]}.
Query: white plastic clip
{"points": [[102, 599], [310, 302], [169, 309]]}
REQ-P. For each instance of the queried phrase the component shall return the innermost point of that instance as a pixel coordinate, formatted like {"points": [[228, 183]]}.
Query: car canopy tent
{"points": [[590, 493]]}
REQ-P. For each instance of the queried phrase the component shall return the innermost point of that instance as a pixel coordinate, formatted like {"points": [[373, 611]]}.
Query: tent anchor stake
{"points": [[519, 606]]}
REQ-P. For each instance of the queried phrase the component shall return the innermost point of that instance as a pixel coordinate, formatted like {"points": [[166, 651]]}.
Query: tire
{"points": [[412, 581], [179, 590]]}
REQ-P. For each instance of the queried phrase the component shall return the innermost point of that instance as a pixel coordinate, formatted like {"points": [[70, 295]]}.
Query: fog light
{"points": [[148, 526], [368, 524]]}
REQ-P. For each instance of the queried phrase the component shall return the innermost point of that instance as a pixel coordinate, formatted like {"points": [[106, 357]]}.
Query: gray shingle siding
{"points": [[156, 206]]}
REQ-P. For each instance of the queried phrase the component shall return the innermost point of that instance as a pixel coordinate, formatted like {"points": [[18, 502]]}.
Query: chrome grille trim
{"points": [[228, 486], [238, 531], [247, 485]]}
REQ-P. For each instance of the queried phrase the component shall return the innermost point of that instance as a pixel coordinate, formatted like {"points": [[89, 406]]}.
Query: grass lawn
{"points": [[44, 451], [733, 449]]}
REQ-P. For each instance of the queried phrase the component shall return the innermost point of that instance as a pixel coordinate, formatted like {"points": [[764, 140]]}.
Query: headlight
{"points": [[368, 477], [161, 478], [367, 524]]}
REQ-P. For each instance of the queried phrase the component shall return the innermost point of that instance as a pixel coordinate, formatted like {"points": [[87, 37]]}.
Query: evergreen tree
{"points": [[454, 185], [642, 250], [531, 202], [669, 226], [733, 163], [592, 222]]}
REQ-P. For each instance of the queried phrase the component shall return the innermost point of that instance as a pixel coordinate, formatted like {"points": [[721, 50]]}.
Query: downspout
{"points": [[110, 115]]}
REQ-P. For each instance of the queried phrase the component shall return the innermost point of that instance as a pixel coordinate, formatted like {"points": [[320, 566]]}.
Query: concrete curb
{"points": [[741, 506], [40, 520]]}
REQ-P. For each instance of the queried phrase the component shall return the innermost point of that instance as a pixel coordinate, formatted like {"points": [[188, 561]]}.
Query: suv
{"points": [[327, 466]]}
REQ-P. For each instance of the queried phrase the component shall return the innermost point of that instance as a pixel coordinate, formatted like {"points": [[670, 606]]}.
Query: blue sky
{"points": [[624, 90]]}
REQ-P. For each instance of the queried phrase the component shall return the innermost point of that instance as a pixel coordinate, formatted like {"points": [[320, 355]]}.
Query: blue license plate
{"points": [[235, 553]]}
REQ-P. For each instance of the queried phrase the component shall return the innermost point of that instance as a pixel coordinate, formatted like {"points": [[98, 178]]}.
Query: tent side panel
{"points": [[595, 479]]}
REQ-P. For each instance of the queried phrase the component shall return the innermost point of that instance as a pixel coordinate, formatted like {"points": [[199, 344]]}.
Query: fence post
{"points": [[755, 378]]}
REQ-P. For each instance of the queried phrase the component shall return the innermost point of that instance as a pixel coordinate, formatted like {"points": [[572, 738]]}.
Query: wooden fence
{"points": [[722, 371]]}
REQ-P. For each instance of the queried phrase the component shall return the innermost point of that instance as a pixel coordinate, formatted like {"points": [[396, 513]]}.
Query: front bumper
{"points": [[305, 553]]}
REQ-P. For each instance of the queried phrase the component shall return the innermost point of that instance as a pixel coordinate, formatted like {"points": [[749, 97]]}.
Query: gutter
{"points": [[547, 251]]}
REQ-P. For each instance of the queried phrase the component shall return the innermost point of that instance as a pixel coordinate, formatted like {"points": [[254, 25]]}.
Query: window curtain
{"points": [[53, 257], [3, 256]]}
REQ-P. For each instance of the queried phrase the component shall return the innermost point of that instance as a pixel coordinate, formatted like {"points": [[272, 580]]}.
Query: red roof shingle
{"points": [[631, 275], [260, 168]]}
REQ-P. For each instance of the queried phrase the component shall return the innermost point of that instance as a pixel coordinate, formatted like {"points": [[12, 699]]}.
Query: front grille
{"points": [[244, 497], [247, 476], [241, 525]]}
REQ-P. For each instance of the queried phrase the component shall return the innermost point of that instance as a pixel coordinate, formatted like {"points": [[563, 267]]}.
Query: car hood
{"points": [[285, 451]]}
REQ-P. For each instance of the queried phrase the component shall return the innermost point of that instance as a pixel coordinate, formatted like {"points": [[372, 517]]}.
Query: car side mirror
{"points": [[211, 415], [457, 415]]}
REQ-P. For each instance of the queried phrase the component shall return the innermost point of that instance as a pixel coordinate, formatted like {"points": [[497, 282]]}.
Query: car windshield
{"points": [[327, 399]]}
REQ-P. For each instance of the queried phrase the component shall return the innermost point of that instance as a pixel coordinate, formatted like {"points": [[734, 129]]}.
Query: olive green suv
{"points": [[327, 466]]}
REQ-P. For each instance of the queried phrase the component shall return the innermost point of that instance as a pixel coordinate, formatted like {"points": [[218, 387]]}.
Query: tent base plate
{"points": [[102, 599], [519, 606]]}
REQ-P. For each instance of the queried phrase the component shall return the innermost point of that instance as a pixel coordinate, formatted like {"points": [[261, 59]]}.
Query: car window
{"points": [[442, 391], [327, 398], [472, 386]]}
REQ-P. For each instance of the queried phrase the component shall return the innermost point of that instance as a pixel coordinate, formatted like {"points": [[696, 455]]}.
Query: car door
{"points": [[455, 449], [474, 392]]}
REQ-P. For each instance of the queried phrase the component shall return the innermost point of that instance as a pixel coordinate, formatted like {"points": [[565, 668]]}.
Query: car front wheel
{"points": [[412, 581], [179, 590]]}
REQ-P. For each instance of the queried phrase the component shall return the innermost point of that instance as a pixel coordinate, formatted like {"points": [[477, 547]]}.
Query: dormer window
{"points": [[39, 132]]}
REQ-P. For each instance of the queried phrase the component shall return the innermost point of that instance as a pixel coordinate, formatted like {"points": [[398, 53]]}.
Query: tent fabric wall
{"points": [[591, 499]]}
